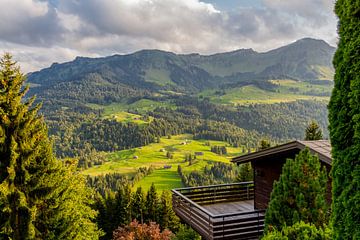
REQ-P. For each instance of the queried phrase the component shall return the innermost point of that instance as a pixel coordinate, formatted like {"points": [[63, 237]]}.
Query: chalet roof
{"points": [[320, 147]]}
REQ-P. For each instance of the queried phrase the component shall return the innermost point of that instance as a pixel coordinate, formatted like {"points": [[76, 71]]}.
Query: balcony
{"points": [[223, 211]]}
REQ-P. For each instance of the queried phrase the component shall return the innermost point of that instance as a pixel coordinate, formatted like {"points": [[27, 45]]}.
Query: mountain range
{"points": [[150, 72]]}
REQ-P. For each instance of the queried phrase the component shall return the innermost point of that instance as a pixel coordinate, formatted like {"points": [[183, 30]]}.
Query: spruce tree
{"points": [[313, 132], [299, 195], [167, 217], [264, 144], [138, 205], [40, 198], [152, 205], [344, 119]]}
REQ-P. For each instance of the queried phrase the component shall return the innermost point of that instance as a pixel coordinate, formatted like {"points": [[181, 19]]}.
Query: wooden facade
{"points": [[237, 211], [268, 163]]}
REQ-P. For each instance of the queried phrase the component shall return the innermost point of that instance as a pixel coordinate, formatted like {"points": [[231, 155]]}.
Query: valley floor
{"points": [[128, 161]]}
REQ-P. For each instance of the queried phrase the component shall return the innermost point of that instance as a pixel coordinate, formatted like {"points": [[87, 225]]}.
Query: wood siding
{"points": [[265, 173], [267, 170]]}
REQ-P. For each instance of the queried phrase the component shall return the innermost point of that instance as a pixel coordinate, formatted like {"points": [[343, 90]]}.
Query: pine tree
{"points": [[152, 204], [128, 201], [167, 217], [313, 132], [246, 173], [344, 119], [264, 144], [121, 207], [299, 195], [138, 205], [40, 198]]}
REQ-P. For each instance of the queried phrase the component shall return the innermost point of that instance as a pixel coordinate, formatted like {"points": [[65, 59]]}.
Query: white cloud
{"points": [[41, 32]]}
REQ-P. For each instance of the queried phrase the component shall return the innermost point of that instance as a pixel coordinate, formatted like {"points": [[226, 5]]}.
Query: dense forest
{"points": [[79, 131], [217, 173]]}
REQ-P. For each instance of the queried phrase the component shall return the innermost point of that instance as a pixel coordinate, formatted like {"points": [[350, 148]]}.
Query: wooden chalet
{"points": [[237, 211]]}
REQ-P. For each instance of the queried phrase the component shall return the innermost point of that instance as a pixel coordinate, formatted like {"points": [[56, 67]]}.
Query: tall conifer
{"points": [[152, 205], [344, 118], [299, 195], [40, 198], [313, 132]]}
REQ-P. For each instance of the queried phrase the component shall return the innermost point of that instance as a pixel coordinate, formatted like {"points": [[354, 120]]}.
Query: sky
{"points": [[40, 32]]}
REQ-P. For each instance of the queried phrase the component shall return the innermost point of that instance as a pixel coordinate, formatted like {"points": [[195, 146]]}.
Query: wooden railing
{"points": [[188, 205]]}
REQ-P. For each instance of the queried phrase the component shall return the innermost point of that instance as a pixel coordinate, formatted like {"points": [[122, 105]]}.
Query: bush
{"points": [[299, 231], [136, 231]]}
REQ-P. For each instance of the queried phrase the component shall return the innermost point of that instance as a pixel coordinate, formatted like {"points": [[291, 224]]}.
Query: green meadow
{"points": [[128, 161], [141, 106], [129, 117], [251, 94]]}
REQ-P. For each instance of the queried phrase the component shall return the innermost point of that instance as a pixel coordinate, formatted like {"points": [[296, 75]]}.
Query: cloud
{"points": [[60, 30], [164, 21], [29, 22]]}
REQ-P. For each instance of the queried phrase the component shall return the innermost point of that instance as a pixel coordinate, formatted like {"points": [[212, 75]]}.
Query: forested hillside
{"points": [[127, 101]]}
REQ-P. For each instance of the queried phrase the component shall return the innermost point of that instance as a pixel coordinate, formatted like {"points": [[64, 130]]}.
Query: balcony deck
{"points": [[230, 207], [220, 211]]}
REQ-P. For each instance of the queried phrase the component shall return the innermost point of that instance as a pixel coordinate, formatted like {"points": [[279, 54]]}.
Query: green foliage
{"points": [[264, 144], [152, 203], [186, 233], [299, 231], [246, 173], [280, 120], [138, 205], [221, 150], [344, 118], [167, 217], [299, 195], [113, 181], [40, 198], [313, 131], [216, 173], [169, 155], [123, 206]]}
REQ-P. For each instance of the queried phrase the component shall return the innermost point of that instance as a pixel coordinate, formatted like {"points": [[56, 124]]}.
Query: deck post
{"points": [[223, 218], [258, 228], [190, 213], [247, 192], [209, 232]]}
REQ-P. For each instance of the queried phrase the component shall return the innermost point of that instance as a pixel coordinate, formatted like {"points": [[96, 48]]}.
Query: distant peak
{"points": [[152, 51], [244, 51], [239, 52], [309, 40]]}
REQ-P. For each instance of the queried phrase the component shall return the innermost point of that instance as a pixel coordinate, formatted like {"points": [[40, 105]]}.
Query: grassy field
{"points": [[160, 77], [301, 88], [251, 95], [128, 161], [129, 117], [120, 111]]}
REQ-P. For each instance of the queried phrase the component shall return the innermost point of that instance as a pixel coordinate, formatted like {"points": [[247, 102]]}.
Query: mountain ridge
{"points": [[156, 70]]}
